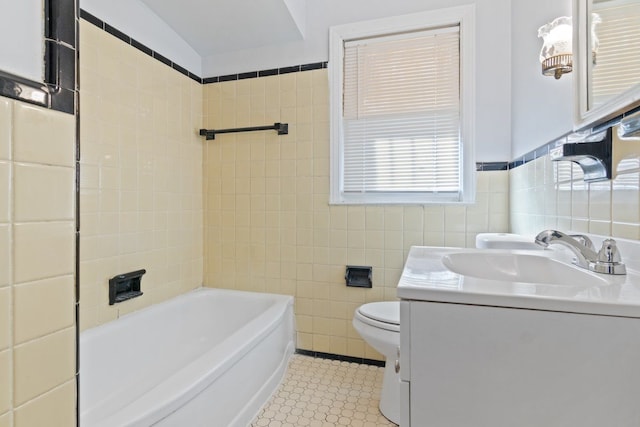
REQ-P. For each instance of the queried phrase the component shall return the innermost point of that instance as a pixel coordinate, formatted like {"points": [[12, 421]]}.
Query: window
{"points": [[402, 116], [616, 64]]}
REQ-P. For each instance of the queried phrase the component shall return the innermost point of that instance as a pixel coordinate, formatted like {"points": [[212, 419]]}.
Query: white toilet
{"points": [[378, 323]]}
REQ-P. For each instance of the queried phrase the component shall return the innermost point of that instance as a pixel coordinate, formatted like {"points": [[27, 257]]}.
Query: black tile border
{"points": [[115, 32], [544, 149], [91, 19], [266, 73], [22, 89], [341, 358], [59, 86], [60, 54], [250, 75], [206, 80], [492, 166], [480, 166], [163, 59], [137, 45], [57, 91]]}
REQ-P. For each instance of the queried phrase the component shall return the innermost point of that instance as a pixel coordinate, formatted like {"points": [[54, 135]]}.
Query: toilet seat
{"points": [[383, 315]]}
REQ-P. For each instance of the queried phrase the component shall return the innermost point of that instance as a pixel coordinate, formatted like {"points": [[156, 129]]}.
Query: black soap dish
{"points": [[594, 155], [125, 286], [359, 277]]}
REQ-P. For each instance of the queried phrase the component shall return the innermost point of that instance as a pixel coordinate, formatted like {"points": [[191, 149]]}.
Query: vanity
{"points": [[504, 338]]}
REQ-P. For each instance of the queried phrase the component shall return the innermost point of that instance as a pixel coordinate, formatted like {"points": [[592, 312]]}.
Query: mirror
{"points": [[607, 58]]}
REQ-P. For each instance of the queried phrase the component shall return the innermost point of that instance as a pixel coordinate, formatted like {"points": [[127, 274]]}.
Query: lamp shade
{"points": [[557, 49]]}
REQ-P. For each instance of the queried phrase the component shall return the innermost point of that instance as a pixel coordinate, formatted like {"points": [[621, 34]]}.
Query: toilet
{"points": [[378, 323]]}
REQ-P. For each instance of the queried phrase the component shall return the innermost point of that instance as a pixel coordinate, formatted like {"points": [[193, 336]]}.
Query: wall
{"points": [[546, 194], [541, 107], [141, 176], [37, 265], [21, 20], [269, 226], [136, 20]]}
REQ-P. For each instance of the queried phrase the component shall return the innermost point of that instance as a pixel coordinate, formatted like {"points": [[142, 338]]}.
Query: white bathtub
{"points": [[207, 358]]}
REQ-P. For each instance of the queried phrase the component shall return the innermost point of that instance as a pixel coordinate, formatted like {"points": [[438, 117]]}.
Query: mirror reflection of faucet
{"points": [[606, 261]]}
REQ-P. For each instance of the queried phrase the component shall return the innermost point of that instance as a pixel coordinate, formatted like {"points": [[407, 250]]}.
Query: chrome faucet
{"points": [[606, 261]]}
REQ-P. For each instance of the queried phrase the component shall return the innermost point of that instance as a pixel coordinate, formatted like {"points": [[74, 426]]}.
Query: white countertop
{"points": [[426, 278]]}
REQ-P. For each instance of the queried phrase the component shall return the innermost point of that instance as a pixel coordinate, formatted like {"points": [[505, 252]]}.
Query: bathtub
{"points": [[210, 358]]}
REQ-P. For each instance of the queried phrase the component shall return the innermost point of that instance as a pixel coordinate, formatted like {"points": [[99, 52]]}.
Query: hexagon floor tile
{"points": [[325, 393]]}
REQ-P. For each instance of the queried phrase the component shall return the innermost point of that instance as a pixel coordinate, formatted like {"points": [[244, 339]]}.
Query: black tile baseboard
{"points": [[340, 357]]}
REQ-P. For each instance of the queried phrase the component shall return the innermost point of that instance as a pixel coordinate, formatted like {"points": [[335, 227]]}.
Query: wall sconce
{"points": [[556, 54]]}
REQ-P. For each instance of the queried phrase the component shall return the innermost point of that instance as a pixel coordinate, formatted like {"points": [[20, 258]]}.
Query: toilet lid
{"points": [[387, 312]]}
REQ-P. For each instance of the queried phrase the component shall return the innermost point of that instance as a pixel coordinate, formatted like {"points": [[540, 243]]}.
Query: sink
{"points": [[519, 267]]}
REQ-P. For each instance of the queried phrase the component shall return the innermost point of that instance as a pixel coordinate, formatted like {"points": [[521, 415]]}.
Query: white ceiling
{"points": [[217, 26]]}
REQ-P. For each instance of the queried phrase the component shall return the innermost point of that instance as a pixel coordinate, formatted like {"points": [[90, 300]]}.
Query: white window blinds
{"points": [[617, 65], [401, 114]]}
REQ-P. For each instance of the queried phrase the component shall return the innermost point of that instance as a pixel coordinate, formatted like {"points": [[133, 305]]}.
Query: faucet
{"points": [[605, 261]]}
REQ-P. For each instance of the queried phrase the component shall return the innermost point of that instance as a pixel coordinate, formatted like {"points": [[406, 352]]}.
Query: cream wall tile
{"points": [[600, 201], [43, 192], [455, 219], [6, 118], [625, 198], [43, 250], [51, 299], [5, 380], [625, 230], [43, 136], [5, 318], [5, 255], [41, 365], [600, 227], [55, 408], [6, 420], [579, 200], [142, 191], [5, 191]]}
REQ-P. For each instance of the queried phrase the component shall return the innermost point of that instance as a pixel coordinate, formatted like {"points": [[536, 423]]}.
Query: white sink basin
{"points": [[539, 280], [519, 267]]}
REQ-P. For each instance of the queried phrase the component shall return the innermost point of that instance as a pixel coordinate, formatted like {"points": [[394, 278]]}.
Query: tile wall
{"points": [[141, 176], [546, 194], [37, 265], [269, 226]]}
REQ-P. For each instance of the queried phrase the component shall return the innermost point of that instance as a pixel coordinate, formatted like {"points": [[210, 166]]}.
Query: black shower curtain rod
{"points": [[282, 128]]}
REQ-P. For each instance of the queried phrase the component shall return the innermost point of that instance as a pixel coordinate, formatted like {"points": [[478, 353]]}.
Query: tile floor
{"points": [[325, 393]]}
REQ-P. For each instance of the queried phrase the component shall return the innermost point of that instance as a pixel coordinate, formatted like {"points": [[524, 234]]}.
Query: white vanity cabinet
{"points": [[486, 353], [501, 367]]}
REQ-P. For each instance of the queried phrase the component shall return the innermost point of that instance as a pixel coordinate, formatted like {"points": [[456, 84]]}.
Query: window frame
{"points": [[464, 16]]}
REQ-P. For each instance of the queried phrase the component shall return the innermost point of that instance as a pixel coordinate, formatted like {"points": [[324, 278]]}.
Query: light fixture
{"points": [[556, 54]]}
